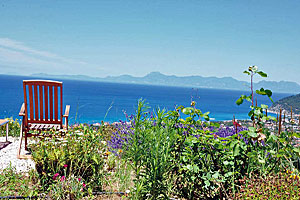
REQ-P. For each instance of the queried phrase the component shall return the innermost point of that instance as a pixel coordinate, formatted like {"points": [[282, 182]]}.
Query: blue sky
{"points": [[100, 38]]}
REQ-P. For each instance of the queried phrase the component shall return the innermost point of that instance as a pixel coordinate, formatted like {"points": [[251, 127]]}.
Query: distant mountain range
{"points": [[157, 78]]}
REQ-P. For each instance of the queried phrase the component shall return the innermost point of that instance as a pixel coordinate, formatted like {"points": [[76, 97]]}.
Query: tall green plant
{"points": [[271, 151], [257, 115], [149, 150]]}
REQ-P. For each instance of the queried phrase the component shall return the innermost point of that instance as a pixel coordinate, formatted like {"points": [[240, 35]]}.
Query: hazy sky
{"points": [[100, 38]]}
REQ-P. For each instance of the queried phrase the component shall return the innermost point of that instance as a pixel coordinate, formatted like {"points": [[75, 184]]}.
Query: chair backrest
{"points": [[43, 102]]}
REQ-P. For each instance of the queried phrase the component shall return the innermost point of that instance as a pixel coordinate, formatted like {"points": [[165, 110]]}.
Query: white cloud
{"points": [[12, 56], [15, 51], [20, 63]]}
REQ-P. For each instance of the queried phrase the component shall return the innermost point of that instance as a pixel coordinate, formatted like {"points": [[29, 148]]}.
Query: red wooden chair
{"points": [[42, 109]]}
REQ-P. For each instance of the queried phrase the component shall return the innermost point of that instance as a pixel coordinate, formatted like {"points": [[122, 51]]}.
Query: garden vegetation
{"points": [[167, 154]]}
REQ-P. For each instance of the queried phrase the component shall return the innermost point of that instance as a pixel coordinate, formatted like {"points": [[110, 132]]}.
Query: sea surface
{"points": [[92, 102]]}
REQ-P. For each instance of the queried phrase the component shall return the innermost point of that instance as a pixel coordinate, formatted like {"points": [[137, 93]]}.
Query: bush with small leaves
{"points": [[283, 185]]}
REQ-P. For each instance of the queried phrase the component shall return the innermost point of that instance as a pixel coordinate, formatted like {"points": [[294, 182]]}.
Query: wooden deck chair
{"points": [[42, 109]]}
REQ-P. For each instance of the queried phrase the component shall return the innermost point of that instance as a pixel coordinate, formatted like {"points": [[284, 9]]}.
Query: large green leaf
{"points": [[261, 91], [196, 168], [206, 117], [252, 133], [252, 129], [225, 162], [207, 113], [262, 161], [250, 114], [257, 112], [262, 74], [249, 98], [95, 159], [189, 167], [236, 150], [295, 134], [297, 150], [239, 101], [246, 72], [264, 118], [207, 183], [216, 175], [268, 93], [272, 118], [228, 174], [187, 110]]}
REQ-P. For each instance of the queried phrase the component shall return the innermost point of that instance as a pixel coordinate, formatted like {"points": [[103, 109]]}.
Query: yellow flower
{"points": [[193, 103], [120, 150]]}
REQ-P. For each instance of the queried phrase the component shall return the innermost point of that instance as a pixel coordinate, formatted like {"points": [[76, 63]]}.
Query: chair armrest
{"points": [[67, 111], [22, 110]]}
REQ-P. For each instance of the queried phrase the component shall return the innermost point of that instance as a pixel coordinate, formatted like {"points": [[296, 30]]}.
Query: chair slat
{"points": [[41, 103], [61, 105], [51, 102], [30, 93], [36, 105], [44, 122], [44, 126], [25, 109], [46, 101], [55, 104]]}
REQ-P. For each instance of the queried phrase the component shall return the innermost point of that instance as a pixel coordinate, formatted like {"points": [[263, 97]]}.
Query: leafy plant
{"points": [[270, 151], [148, 149], [120, 177], [283, 185], [13, 127], [67, 188], [13, 183], [81, 150], [160, 154]]}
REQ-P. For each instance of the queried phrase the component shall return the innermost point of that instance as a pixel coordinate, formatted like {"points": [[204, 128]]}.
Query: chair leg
{"points": [[26, 141], [20, 142], [19, 156]]}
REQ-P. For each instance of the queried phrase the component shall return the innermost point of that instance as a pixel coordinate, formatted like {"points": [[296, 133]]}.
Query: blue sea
{"points": [[92, 102]]}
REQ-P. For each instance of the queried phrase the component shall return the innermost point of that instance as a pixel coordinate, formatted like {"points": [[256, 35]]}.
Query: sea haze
{"points": [[92, 101]]}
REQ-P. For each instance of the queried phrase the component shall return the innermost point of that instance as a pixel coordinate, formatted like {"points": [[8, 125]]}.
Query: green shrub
{"points": [[13, 183], [13, 128], [283, 185], [181, 153], [67, 188], [80, 153]]}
